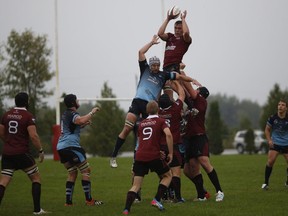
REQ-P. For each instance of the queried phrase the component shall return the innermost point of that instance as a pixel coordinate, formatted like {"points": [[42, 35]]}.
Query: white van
{"points": [[261, 144]]}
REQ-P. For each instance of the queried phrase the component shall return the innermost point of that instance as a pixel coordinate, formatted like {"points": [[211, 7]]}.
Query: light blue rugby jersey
{"points": [[151, 84], [279, 128], [70, 132]]}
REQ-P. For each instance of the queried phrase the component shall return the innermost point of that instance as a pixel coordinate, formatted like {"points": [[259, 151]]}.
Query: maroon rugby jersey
{"points": [[173, 118], [175, 49], [17, 138], [196, 124], [150, 132]]}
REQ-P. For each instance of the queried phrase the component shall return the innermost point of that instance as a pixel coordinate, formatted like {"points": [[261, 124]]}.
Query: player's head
{"points": [[22, 100], [70, 101], [152, 107], [178, 30], [282, 105], [164, 101], [154, 64], [203, 91]]}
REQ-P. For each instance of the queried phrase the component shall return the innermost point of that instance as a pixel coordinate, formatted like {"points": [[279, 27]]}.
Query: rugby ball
{"points": [[174, 11]]}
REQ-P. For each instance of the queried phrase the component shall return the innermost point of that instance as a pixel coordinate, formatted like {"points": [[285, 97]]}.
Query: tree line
{"points": [[25, 65]]}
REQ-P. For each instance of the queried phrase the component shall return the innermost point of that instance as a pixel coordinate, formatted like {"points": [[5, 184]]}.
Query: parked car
{"points": [[261, 144]]}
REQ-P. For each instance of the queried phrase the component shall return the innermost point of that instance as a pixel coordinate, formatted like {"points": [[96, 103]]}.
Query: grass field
{"points": [[241, 177]]}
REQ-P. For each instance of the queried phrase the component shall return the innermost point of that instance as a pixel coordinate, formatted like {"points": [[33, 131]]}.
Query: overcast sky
{"points": [[240, 47]]}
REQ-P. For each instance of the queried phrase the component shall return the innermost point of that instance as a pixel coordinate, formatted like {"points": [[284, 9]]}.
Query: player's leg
{"points": [[34, 175], [162, 188], [286, 158], [163, 170], [29, 166], [130, 121], [192, 166], [128, 127], [138, 194], [68, 158], [6, 175], [70, 183], [8, 169], [272, 156], [85, 171], [175, 166], [137, 109], [176, 183], [139, 171], [194, 174]]}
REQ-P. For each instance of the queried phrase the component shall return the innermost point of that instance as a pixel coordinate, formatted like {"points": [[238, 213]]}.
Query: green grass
{"points": [[240, 176]]}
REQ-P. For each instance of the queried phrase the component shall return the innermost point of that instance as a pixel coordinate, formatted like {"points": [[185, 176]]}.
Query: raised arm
{"points": [[192, 92], [146, 47], [83, 120], [186, 32], [161, 31], [177, 87]]}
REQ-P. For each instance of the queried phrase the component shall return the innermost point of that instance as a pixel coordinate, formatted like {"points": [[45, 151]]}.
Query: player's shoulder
{"points": [[161, 119], [143, 62], [23, 112], [272, 117]]}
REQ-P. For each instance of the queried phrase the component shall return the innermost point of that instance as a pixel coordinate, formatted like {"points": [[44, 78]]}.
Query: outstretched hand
{"points": [[95, 109], [183, 14], [155, 40]]}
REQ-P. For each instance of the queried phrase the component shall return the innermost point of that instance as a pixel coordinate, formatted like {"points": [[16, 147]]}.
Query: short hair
{"points": [[21, 99], [70, 100], [178, 22], [203, 91], [152, 107], [164, 101], [284, 100]]}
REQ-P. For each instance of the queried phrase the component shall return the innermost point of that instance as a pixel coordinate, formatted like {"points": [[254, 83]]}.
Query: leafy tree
{"points": [[214, 129], [28, 67], [44, 122], [233, 111], [270, 106], [249, 140], [245, 123], [107, 124], [2, 78]]}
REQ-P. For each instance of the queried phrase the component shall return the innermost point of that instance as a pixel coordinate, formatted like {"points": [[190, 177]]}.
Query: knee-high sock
{"points": [[268, 171], [69, 191], [160, 192], [214, 179], [130, 199], [2, 191], [118, 145], [198, 181], [36, 194], [176, 183], [86, 185]]}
